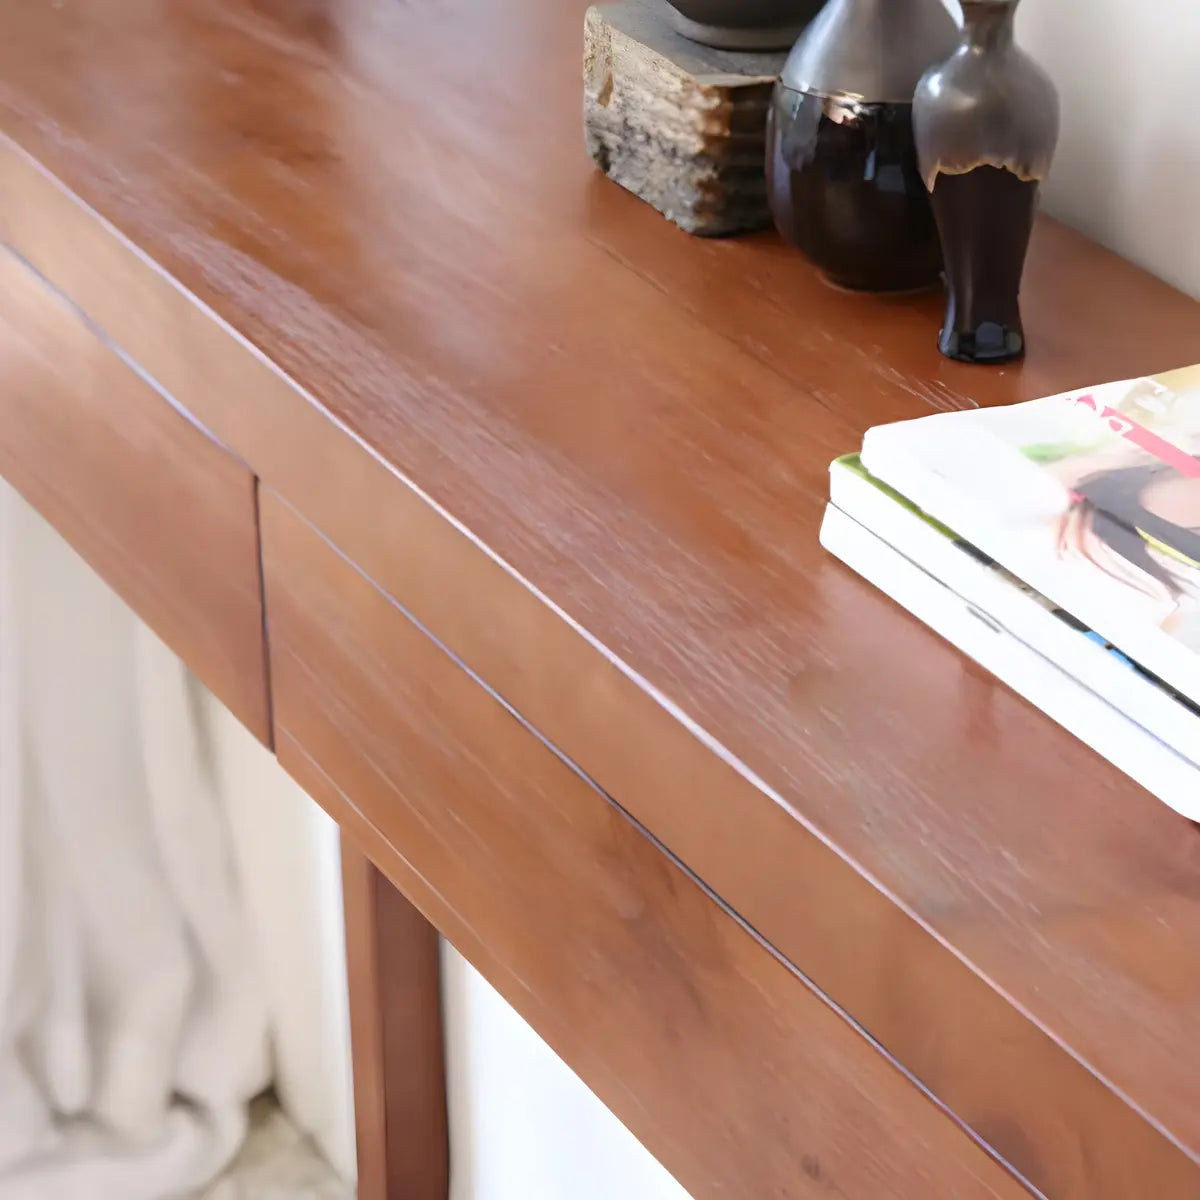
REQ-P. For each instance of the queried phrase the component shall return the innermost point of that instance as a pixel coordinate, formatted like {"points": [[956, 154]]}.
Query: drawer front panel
{"points": [[717, 1054], [161, 511]]}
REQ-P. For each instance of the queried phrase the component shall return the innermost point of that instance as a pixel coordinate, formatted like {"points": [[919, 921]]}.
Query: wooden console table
{"points": [[490, 501]]}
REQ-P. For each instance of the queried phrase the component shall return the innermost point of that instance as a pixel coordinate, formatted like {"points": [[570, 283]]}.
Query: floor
{"points": [[277, 1163]]}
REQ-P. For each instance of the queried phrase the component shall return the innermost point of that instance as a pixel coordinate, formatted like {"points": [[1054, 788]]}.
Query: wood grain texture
{"points": [[393, 964], [644, 984], [589, 454], [162, 513]]}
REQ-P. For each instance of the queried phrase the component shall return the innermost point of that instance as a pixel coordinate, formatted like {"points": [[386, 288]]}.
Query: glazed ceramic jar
{"points": [[842, 169]]}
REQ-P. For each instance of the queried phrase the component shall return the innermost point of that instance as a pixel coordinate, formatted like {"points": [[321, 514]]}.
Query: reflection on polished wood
{"points": [[362, 244]]}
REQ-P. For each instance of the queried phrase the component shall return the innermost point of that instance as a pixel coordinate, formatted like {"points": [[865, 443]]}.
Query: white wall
{"points": [[523, 1125], [1128, 165]]}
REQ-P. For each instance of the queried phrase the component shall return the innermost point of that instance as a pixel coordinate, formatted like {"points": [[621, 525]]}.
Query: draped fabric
{"points": [[136, 1021]]}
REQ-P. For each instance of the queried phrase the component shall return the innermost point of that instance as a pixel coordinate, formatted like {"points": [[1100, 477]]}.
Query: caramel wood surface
{"points": [[394, 972], [589, 454], [652, 991], [158, 509]]}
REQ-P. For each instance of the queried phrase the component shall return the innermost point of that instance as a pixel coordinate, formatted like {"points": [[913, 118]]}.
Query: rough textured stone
{"points": [[678, 124]]}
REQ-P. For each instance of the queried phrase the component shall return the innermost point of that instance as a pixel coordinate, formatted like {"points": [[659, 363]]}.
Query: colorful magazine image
{"points": [[1132, 505], [1090, 497]]}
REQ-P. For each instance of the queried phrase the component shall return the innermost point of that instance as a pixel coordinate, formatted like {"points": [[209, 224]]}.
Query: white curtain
{"points": [[146, 996], [289, 858]]}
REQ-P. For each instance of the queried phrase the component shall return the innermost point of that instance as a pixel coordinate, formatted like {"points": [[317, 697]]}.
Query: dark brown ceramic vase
{"points": [[842, 171], [743, 24], [986, 122]]}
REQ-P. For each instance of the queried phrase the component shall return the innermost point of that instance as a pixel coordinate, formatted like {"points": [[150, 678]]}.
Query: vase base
{"points": [[776, 37], [989, 343], [896, 291]]}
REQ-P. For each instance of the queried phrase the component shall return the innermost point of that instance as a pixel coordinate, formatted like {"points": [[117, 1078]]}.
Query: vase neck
{"points": [[873, 50], [988, 24]]}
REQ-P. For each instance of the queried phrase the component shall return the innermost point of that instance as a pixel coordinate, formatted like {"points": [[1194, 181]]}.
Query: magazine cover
{"points": [[1091, 497]]}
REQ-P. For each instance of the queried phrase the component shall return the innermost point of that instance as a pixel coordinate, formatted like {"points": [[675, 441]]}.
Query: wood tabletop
{"points": [[362, 243]]}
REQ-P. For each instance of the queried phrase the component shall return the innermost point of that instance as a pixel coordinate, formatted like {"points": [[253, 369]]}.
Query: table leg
{"points": [[396, 1035]]}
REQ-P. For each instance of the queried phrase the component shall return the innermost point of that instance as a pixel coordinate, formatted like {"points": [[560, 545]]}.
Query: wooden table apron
{"points": [[584, 458]]}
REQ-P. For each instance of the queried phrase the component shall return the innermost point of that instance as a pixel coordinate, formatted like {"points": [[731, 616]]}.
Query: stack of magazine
{"points": [[1058, 544]]}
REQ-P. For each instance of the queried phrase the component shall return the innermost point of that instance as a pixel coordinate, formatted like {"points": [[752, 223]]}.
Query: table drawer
{"points": [[164, 514], [716, 1053]]}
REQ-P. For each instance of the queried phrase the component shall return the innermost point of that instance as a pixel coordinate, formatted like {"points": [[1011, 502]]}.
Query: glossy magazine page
{"points": [[1091, 497]]}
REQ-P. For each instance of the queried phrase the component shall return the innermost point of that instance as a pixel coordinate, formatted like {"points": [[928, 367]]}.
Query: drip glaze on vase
{"points": [[986, 122], [842, 169]]}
